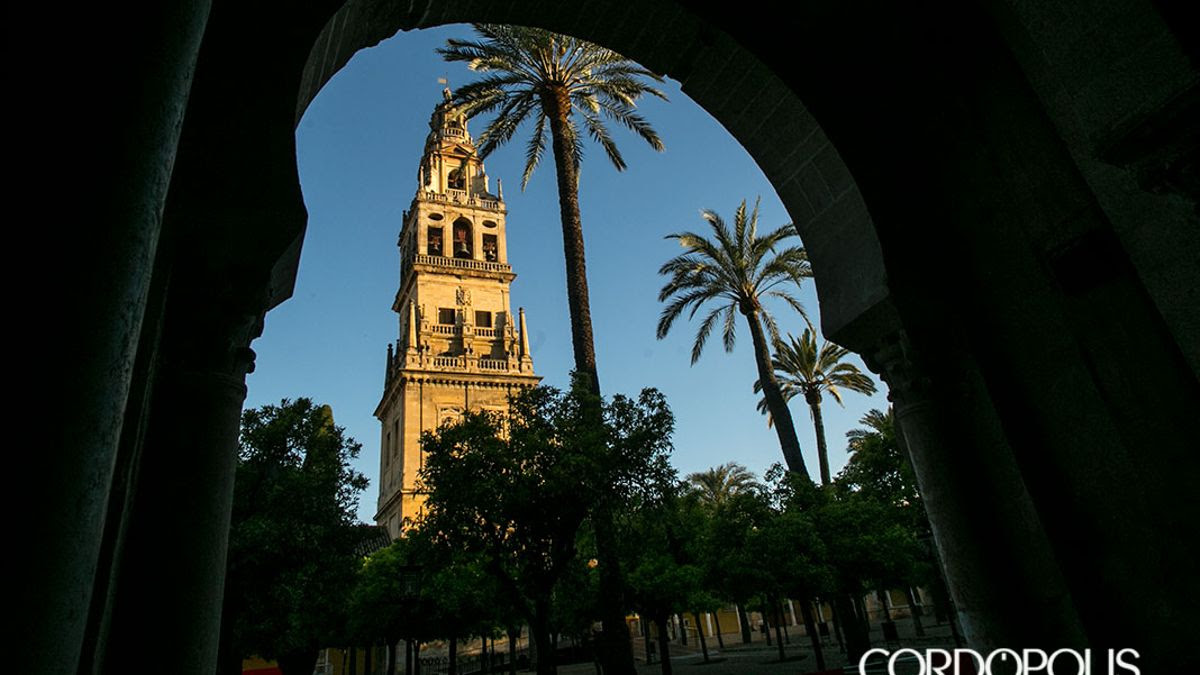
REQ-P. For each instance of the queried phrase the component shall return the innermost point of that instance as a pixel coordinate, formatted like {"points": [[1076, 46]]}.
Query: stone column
{"points": [[97, 174], [169, 585], [1007, 589]]}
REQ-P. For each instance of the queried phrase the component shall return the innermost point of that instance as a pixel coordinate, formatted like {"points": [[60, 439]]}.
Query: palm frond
{"points": [[535, 148], [634, 122], [695, 297], [729, 333], [600, 135], [791, 301], [772, 326], [520, 61], [513, 113], [702, 334], [800, 365], [730, 264]]}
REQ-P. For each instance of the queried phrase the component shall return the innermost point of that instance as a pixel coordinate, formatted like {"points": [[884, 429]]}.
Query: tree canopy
{"points": [[293, 538], [516, 488]]}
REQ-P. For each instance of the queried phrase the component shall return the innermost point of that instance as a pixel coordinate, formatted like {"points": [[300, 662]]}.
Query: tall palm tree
{"points": [[732, 272], [716, 485], [804, 369], [558, 82]]}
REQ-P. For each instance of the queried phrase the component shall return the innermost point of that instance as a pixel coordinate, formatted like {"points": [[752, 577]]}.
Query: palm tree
{"points": [[718, 484], [878, 423], [552, 80], [803, 369], [733, 272]]}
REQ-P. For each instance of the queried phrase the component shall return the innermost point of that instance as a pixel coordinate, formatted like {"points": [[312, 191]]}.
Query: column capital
{"points": [[895, 361]]}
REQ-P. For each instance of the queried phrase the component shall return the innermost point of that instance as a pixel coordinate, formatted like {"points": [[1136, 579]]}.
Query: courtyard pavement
{"points": [[757, 658]]}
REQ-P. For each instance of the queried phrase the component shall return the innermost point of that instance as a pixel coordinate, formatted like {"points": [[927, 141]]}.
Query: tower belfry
{"points": [[460, 347]]}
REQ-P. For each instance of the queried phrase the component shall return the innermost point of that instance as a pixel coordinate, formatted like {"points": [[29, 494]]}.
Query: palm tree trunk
{"points": [[557, 105], [814, 404], [617, 652], [785, 428]]}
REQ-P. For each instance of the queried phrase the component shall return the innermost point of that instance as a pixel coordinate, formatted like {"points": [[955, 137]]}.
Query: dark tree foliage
{"points": [[878, 467], [516, 488], [293, 539], [659, 549], [760, 550], [880, 472], [416, 590], [870, 520]]}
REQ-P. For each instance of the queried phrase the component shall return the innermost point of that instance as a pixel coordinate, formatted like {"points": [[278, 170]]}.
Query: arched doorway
{"points": [[1036, 339]]}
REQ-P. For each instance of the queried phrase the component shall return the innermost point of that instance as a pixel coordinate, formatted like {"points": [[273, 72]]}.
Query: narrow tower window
{"points": [[435, 241], [489, 248], [462, 239]]}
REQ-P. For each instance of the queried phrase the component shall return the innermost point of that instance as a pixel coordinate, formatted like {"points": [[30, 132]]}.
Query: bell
{"points": [[460, 247]]}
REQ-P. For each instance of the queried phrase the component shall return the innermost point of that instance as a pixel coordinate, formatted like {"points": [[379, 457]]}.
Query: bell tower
{"points": [[460, 347]]}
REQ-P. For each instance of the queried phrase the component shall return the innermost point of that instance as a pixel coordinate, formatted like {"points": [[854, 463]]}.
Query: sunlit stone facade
{"points": [[460, 346]]}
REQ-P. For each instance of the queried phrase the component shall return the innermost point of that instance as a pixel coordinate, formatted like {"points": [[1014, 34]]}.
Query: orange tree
{"points": [[516, 488]]}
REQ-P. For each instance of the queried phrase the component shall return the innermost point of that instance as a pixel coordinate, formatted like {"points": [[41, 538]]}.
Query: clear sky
{"points": [[358, 148]]}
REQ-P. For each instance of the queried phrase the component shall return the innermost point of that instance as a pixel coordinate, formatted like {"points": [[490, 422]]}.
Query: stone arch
{"points": [[861, 145], [1024, 281]]}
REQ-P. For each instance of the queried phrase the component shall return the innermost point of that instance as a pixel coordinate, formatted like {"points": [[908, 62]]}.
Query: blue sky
{"points": [[358, 147]]}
